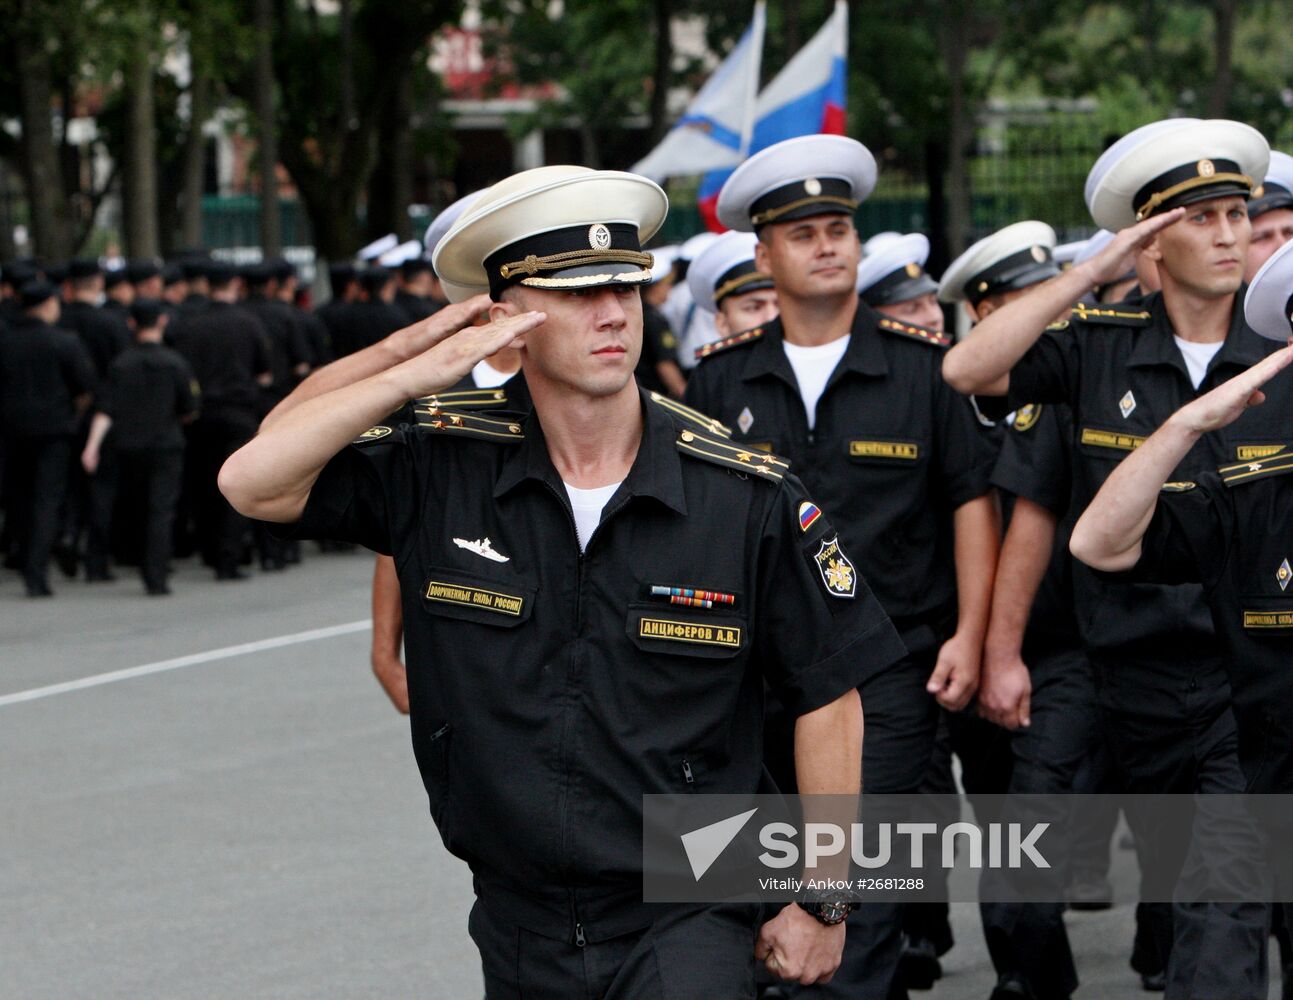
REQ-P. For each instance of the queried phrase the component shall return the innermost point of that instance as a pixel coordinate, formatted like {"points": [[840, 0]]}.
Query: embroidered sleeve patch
{"points": [[837, 571], [372, 434], [1181, 487], [1026, 417]]}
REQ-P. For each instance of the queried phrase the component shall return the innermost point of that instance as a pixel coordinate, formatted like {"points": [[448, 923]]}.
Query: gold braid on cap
{"points": [[532, 265], [772, 214], [728, 287], [1147, 209]]}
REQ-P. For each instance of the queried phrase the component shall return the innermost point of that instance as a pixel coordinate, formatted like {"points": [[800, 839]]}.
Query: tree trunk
{"points": [[271, 232], [195, 159], [7, 249], [346, 42], [390, 188], [41, 172], [1223, 48], [662, 72], [141, 152], [960, 127]]}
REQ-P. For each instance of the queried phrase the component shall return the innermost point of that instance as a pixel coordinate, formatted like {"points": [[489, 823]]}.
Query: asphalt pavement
{"points": [[242, 817]]}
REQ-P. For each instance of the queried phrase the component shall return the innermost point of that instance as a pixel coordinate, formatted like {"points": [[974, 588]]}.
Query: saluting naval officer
{"points": [[1178, 190], [855, 401], [1228, 531], [551, 684]]}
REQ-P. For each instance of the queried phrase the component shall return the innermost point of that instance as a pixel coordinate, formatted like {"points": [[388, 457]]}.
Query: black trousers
{"points": [[1171, 730], [1030, 938], [897, 746], [156, 475], [222, 530], [36, 471], [685, 954]]}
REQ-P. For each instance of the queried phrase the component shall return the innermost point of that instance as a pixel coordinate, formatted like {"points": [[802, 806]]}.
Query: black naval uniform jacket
{"points": [[1231, 532], [43, 369], [893, 453], [1122, 375], [549, 689]]}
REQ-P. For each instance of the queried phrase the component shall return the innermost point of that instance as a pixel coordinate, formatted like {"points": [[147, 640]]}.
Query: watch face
{"points": [[833, 913]]}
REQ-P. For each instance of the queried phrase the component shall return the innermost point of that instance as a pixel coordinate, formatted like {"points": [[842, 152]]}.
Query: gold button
{"points": [[688, 436], [514, 428]]}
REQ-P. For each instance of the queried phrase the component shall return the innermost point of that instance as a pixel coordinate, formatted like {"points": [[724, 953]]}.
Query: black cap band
{"points": [[572, 257], [1268, 197], [1190, 183], [1019, 270], [803, 199], [738, 280], [902, 285]]}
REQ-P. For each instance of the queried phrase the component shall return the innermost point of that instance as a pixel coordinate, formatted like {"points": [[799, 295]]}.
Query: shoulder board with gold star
{"points": [[1247, 472], [921, 333], [1111, 317], [466, 399], [727, 343], [757, 464], [707, 424], [437, 420]]}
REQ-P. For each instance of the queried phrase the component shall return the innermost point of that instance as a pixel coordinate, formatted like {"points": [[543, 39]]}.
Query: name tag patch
{"points": [[1111, 439], [474, 597], [1247, 452], [904, 450], [1268, 619], [726, 636]]}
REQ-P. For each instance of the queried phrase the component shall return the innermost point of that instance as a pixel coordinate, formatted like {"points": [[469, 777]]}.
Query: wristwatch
{"points": [[830, 908]]}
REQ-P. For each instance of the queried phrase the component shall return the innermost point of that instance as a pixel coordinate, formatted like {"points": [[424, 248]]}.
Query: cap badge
{"points": [[983, 286], [599, 237], [1283, 575], [1039, 255], [1206, 168], [1127, 405], [913, 270], [813, 186], [1259, 190]]}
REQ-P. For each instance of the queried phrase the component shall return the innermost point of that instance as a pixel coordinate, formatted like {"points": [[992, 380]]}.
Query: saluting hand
{"points": [[1107, 265], [451, 353], [1226, 402]]}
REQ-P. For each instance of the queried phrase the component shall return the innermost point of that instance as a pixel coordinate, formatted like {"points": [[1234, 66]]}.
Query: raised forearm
{"points": [[980, 364], [1109, 533]]}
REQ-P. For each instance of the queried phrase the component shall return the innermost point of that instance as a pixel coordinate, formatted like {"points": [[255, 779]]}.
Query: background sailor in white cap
{"points": [[1270, 210], [489, 373], [1035, 681], [692, 325], [539, 717], [725, 281], [1179, 190], [658, 368], [893, 281], [856, 402]]}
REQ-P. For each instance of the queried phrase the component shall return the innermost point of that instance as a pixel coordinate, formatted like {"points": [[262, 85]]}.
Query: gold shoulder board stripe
{"points": [[915, 332], [708, 424], [461, 399], [736, 340], [1234, 475], [763, 465], [434, 419], [1246, 465], [1115, 316]]}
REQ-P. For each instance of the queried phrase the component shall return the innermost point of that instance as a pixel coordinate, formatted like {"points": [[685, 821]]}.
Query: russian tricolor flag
{"points": [[807, 97]]}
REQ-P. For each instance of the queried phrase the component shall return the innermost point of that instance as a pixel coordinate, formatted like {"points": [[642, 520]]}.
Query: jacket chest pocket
{"points": [[453, 594], [659, 628], [1267, 616]]}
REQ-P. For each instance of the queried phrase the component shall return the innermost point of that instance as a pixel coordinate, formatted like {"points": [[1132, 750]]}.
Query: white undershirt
{"points": [[1197, 357], [486, 376], [813, 367], [587, 506]]}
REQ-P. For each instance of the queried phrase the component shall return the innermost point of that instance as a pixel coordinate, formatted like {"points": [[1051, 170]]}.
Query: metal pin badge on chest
{"points": [[1283, 575], [483, 548], [745, 421], [1127, 405]]}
